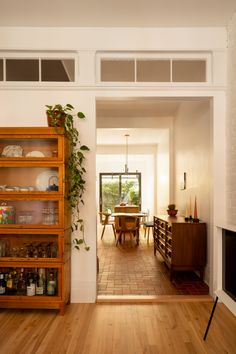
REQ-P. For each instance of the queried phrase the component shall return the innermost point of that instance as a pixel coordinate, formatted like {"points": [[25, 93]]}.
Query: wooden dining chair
{"points": [[147, 226], [104, 219], [128, 225]]}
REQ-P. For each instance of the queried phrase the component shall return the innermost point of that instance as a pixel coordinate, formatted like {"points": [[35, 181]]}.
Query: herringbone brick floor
{"points": [[128, 269]]}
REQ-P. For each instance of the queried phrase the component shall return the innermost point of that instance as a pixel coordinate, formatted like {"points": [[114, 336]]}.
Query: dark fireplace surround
{"points": [[229, 263]]}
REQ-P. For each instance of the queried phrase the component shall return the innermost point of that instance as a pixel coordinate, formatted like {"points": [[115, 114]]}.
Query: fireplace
{"points": [[229, 263], [225, 266]]}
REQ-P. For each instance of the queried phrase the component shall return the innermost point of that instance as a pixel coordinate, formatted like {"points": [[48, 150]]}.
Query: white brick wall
{"points": [[231, 124]]}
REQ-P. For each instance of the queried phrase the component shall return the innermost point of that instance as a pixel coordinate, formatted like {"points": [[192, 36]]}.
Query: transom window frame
{"points": [[154, 55], [40, 55]]}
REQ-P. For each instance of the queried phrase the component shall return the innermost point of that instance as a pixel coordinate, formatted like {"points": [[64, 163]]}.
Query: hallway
{"points": [[132, 270]]}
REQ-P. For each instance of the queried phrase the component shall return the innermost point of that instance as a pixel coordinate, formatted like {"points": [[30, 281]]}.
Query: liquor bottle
{"points": [[30, 285], [53, 248], [21, 284], [15, 280], [40, 285], [9, 287], [2, 284], [35, 277], [51, 285]]}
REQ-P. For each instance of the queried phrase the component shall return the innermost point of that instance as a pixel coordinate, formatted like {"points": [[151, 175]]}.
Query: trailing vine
{"points": [[76, 171]]}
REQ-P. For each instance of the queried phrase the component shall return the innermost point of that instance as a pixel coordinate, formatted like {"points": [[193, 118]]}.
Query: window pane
{"points": [[153, 70], [189, 70], [1, 70], [117, 70], [22, 70], [109, 191], [130, 189], [58, 70]]}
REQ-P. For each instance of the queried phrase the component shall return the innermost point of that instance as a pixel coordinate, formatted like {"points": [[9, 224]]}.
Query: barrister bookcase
{"points": [[34, 217]]}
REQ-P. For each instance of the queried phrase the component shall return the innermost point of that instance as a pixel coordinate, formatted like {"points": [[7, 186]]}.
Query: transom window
{"points": [[153, 68], [23, 67]]}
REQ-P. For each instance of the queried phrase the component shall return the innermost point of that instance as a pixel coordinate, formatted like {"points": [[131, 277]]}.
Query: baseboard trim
{"points": [[152, 298]]}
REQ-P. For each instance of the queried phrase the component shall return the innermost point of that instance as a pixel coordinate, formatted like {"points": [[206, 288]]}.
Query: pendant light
{"points": [[126, 153]]}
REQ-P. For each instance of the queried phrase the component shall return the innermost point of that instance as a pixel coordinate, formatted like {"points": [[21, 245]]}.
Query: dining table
{"points": [[122, 214]]}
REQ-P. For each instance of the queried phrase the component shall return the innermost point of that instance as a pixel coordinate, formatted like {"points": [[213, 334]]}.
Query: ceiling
{"points": [[136, 107], [137, 136], [128, 13], [141, 107], [113, 116], [114, 13]]}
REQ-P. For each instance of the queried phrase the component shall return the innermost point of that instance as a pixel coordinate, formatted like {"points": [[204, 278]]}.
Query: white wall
{"points": [[112, 38], [164, 158], [231, 124], [193, 155], [160, 136], [141, 159], [25, 107]]}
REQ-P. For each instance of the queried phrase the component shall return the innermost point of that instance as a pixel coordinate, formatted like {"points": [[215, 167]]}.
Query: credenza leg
{"points": [[201, 273]]}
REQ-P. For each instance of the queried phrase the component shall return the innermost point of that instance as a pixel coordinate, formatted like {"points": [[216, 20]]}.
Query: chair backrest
{"points": [[129, 223], [104, 217]]}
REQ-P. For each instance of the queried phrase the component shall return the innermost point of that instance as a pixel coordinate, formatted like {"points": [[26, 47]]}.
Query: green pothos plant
{"points": [[75, 167]]}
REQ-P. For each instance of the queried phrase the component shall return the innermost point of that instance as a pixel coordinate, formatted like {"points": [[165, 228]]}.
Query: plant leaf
{"points": [[80, 115], [84, 148]]}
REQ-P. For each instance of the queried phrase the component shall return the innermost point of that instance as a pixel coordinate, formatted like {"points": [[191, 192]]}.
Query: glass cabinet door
{"points": [[31, 178], [30, 148], [31, 246], [30, 282], [31, 213]]}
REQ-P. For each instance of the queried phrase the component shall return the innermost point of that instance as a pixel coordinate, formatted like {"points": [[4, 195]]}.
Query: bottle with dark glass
{"points": [[53, 250], [21, 284], [2, 285], [14, 275]]}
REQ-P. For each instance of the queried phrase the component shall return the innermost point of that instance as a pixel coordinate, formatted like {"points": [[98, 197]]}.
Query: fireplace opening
{"points": [[229, 263]]}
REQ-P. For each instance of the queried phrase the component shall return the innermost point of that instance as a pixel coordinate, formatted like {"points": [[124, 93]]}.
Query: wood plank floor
{"points": [[165, 328]]}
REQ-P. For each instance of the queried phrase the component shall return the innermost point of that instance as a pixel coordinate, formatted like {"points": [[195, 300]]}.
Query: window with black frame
{"points": [[116, 188]]}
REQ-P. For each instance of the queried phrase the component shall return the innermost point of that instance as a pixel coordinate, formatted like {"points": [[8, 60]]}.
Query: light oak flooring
{"points": [[128, 269], [165, 328]]}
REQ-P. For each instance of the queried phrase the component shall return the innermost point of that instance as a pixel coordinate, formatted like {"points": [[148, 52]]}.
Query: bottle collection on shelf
{"points": [[29, 250], [28, 282]]}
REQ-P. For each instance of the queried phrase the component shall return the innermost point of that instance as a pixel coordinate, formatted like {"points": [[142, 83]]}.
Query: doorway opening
{"points": [[158, 151]]}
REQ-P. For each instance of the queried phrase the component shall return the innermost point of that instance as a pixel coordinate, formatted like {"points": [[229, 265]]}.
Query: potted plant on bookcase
{"points": [[63, 116]]}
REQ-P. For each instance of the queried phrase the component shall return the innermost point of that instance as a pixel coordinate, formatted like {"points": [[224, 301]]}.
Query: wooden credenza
{"points": [[181, 244]]}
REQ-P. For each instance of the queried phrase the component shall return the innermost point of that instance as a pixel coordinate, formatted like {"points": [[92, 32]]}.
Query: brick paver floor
{"points": [[128, 269]]}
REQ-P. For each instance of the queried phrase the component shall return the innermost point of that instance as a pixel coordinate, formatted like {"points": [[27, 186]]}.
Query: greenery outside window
{"points": [[116, 188]]}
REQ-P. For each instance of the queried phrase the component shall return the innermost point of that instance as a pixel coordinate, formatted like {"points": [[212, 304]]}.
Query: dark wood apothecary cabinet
{"points": [[181, 244]]}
